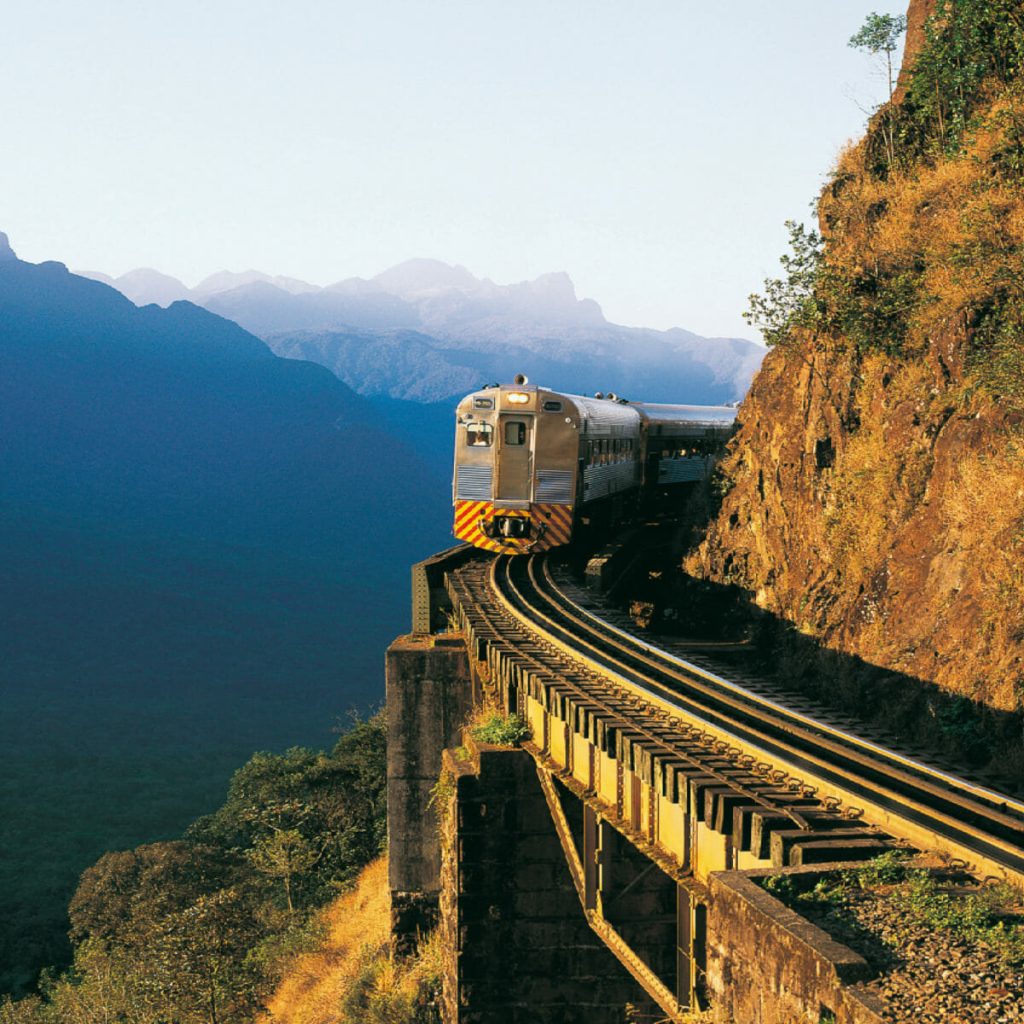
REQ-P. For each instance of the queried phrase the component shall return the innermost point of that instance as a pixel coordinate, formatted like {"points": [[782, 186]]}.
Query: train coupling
{"points": [[507, 526]]}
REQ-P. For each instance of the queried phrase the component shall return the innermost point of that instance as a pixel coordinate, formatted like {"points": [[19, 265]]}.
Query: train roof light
{"points": [[517, 397], [520, 380]]}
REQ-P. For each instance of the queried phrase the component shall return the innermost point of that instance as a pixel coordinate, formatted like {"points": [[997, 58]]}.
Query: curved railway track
{"points": [[765, 752]]}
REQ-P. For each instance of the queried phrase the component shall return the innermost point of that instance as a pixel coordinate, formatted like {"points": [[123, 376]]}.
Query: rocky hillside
{"points": [[874, 496]]}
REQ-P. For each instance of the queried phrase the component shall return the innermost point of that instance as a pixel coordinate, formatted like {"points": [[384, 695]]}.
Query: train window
{"points": [[478, 435], [552, 406], [515, 432], [483, 403]]}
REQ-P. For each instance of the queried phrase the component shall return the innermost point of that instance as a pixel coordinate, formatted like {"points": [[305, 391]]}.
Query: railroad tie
{"points": [[786, 842], [827, 851]]}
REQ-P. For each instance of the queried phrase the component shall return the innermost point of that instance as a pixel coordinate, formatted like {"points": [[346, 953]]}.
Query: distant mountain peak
{"points": [[465, 324], [556, 281], [98, 275], [144, 285], [227, 280], [6, 252], [148, 273], [425, 275]]}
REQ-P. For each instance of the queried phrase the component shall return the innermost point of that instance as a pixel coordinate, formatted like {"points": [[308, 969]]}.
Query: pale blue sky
{"points": [[652, 149]]}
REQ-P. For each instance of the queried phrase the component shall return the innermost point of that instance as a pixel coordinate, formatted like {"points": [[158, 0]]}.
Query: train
{"points": [[533, 466]]}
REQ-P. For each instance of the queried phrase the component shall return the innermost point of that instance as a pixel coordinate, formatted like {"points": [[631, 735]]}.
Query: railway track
{"points": [[782, 784]]}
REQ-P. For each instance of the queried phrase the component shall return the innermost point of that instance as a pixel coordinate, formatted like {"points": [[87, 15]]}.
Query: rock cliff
{"points": [[874, 494]]}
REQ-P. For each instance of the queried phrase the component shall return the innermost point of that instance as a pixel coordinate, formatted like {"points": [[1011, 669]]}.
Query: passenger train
{"points": [[532, 465]]}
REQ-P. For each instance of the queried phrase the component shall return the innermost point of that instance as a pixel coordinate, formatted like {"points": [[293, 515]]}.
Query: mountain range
{"points": [[204, 549], [426, 331]]}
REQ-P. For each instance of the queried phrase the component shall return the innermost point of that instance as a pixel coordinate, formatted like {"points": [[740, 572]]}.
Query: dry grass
{"points": [[957, 223], [354, 979], [313, 990]]}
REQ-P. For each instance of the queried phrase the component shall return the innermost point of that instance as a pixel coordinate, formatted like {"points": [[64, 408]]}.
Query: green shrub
{"points": [[502, 730], [975, 916], [970, 45], [782, 887], [389, 991]]}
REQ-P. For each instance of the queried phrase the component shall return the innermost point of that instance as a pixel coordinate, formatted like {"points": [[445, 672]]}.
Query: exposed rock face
{"points": [[917, 15], [876, 500], [869, 509]]}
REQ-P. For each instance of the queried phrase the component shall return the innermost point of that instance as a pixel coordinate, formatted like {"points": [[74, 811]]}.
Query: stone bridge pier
{"points": [[473, 848]]}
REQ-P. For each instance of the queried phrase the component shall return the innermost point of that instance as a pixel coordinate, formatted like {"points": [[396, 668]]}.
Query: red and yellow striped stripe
{"points": [[552, 526]]}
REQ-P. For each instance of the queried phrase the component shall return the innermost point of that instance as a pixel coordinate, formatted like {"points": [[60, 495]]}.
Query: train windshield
{"points": [[478, 435]]}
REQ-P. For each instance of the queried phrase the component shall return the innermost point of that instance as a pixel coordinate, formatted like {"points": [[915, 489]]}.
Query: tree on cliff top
{"points": [[880, 34], [790, 302], [919, 222]]}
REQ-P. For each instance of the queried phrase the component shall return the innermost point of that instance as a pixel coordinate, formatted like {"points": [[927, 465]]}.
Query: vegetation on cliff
{"points": [[200, 930], [927, 228], [353, 978], [873, 496]]}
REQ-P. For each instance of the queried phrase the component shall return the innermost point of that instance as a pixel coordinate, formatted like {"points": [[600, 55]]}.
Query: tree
{"points": [[199, 959], [284, 854], [881, 33], [336, 800], [791, 302], [124, 895], [187, 932]]}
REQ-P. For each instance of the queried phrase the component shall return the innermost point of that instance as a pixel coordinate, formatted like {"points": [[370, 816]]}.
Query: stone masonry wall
{"points": [[768, 965], [519, 949], [429, 696]]}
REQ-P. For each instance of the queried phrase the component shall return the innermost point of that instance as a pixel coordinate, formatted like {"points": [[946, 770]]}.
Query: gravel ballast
{"points": [[944, 949]]}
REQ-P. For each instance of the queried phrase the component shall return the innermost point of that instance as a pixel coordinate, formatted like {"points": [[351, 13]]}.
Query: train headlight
{"points": [[517, 398]]}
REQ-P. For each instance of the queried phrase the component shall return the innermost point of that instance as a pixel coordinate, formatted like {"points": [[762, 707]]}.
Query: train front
{"points": [[516, 450]]}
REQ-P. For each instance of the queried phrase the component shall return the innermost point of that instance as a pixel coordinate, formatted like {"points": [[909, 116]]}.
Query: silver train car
{"points": [[532, 464]]}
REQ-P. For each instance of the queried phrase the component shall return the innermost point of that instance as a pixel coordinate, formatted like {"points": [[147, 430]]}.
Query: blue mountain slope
{"points": [[203, 550]]}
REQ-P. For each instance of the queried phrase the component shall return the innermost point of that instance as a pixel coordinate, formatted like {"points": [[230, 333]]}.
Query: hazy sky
{"points": [[651, 149]]}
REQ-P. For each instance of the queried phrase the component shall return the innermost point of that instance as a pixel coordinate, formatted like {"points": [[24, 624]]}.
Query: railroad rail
{"points": [[614, 713]]}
